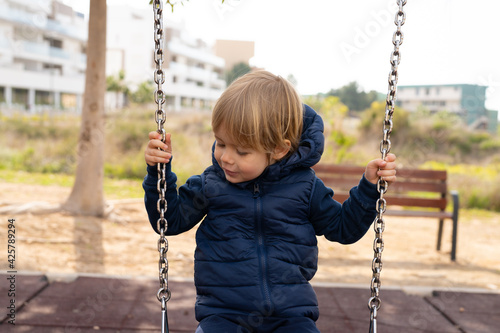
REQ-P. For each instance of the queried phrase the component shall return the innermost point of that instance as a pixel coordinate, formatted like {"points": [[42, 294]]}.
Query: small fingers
{"points": [[154, 135], [157, 151], [389, 162], [387, 175], [157, 156], [388, 166], [388, 169], [390, 157], [157, 144]]}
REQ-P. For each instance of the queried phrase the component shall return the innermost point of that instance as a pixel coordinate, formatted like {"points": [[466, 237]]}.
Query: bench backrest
{"points": [[414, 187]]}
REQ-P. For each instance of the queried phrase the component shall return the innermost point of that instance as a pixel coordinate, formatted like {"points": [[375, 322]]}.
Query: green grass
{"points": [[113, 188], [43, 150], [467, 215], [23, 177], [478, 185]]}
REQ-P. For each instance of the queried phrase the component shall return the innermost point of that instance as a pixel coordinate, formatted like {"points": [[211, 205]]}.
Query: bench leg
{"points": [[440, 234], [454, 231], [454, 240]]}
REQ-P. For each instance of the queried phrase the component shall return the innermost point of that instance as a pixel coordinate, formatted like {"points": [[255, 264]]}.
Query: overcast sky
{"points": [[328, 43]]}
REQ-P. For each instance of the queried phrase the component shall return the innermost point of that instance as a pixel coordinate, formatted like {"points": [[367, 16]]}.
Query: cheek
{"points": [[217, 153], [255, 165]]}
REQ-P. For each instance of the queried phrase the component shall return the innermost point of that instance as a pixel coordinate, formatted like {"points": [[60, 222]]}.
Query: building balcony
{"points": [[42, 52], [48, 80], [191, 90], [177, 48], [207, 77], [33, 19]]}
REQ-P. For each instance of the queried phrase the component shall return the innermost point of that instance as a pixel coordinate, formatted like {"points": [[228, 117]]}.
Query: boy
{"points": [[262, 207]]}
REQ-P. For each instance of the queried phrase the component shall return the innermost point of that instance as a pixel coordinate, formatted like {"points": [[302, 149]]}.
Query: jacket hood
{"points": [[312, 142]]}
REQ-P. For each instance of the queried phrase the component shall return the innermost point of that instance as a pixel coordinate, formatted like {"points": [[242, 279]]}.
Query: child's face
{"points": [[239, 164]]}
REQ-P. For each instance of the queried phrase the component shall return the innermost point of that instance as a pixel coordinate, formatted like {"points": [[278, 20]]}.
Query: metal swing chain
{"points": [[163, 293], [385, 147]]}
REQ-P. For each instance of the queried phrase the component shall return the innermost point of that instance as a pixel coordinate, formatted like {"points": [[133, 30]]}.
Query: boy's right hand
{"points": [[153, 155]]}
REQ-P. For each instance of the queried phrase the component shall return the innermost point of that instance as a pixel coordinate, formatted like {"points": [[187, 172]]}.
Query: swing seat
{"points": [[424, 192]]}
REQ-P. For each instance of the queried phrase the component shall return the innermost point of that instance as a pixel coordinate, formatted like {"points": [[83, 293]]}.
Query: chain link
{"points": [[385, 147], [163, 293]]}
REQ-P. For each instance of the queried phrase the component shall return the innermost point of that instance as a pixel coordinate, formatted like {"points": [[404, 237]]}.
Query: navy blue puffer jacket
{"points": [[256, 246]]}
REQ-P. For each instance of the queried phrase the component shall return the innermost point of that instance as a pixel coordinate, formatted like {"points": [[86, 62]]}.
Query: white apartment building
{"points": [[194, 76], [42, 55], [465, 100]]}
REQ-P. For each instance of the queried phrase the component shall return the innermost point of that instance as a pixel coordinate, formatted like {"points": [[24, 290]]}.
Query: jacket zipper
{"points": [[261, 246]]}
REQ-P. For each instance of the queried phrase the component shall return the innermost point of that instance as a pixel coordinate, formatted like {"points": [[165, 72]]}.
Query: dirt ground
{"points": [[125, 245]]}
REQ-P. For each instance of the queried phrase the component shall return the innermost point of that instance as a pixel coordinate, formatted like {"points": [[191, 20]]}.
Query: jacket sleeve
{"points": [[184, 209], [344, 223]]}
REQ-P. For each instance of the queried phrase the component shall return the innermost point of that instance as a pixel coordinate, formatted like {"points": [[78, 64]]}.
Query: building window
{"points": [[55, 69], [53, 42], [20, 96], [417, 90], [437, 90], [68, 101], [43, 97], [427, 91]]}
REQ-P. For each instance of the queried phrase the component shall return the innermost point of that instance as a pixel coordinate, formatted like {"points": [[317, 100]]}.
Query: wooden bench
{"points": [[423, 191]]}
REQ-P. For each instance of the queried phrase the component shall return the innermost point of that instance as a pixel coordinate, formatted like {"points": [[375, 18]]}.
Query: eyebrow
{"points": [[231, 143]]}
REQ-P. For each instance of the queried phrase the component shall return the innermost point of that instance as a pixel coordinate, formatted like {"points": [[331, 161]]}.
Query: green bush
{"points": [[372, 120], [48, 145], [478, 186], [479, 137], [490, 145]]}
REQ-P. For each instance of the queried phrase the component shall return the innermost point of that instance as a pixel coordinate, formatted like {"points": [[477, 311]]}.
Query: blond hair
{"points": [[260, 110]]}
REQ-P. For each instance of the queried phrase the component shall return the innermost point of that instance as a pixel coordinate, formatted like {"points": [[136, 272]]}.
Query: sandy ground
{"points": [[127, 246]]}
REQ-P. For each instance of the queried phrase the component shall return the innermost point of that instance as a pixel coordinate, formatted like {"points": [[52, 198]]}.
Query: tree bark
{"points": [[87, 196]]}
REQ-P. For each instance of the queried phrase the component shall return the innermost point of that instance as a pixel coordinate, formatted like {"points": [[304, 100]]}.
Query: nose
{"points": [[226, 157]]}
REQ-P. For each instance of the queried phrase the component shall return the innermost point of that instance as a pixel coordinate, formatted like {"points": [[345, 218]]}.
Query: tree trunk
{"points": [[87, 196]]}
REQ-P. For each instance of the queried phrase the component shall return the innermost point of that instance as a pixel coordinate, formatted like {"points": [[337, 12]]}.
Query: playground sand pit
{"points": [[125, 245]]}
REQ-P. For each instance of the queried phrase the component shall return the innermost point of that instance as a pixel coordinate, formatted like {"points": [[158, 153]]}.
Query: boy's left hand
{"points": [[380, 168]]}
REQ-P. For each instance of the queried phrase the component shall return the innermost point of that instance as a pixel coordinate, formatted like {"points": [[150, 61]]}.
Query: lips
{"points": [[230, 173]]}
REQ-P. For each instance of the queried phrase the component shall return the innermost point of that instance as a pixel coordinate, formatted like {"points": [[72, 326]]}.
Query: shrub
{"points": [[490, 145], [372, 120]]}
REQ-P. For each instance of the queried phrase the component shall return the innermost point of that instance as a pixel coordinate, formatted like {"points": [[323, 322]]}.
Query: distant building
{"points": [[234, 51], [42, 55], [43, 61], [465, 100], [194, 75]]}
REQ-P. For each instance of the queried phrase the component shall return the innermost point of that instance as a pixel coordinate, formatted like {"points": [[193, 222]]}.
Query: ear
{"points": [[282, 150]]}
